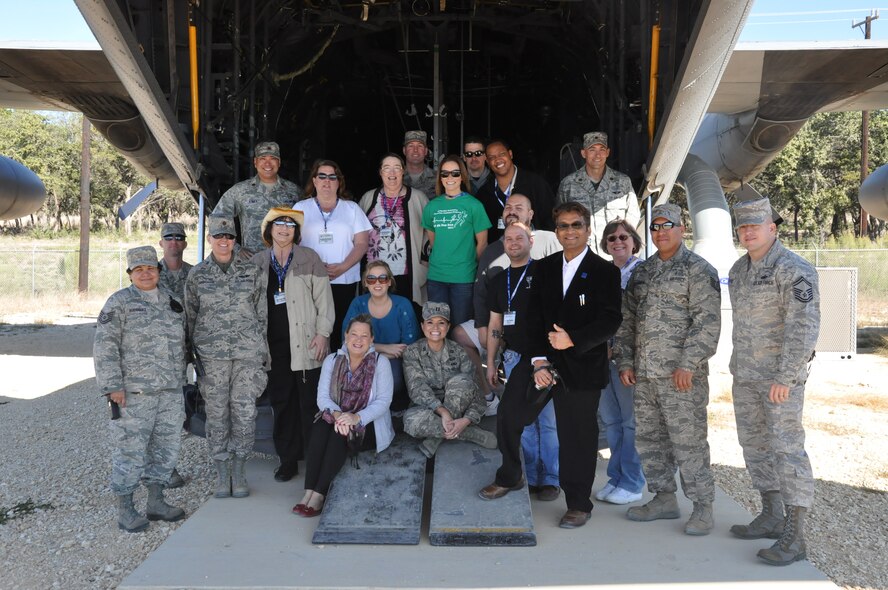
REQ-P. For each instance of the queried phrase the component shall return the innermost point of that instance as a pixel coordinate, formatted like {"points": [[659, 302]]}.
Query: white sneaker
{"points": [[621, 496], [604, 492], [492, 405]]}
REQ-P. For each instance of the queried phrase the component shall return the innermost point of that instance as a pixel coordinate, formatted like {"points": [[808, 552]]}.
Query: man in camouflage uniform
{"points": [[671, 323], [606, 193], [776, 302], [139, 355], [173, 270], [227, 321], [251, 199], [417, 175], [440, 382]]}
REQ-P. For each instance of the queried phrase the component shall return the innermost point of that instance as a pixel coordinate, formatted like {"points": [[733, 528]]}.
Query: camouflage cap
{"points": [[593, 137], [668, 211], [221, 224], [752, 212], [267, 148], [418, 135], [141, 256], [278, 212], [172, 229], [431, 309]]}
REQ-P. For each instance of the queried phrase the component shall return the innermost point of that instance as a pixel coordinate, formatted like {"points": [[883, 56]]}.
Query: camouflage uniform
{"points": [[140, 349], [174, 280], [425, 182], [439, 378], [227, 318], [249, 201], [613, 199], [776, 316], [671, 320]]}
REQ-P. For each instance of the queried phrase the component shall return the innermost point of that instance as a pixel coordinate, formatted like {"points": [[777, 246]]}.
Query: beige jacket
{"points": [[309, 303]]}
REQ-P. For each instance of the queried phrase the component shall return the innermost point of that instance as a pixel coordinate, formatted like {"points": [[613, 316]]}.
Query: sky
{"points": [[769, 20]]}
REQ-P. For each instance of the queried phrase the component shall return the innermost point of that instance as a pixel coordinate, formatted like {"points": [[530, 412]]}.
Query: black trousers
{"points": [[327, 453], [294, 400], [576, 416], [342, 298]]}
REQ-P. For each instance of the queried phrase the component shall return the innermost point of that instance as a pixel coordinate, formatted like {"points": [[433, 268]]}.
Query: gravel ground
{"points": [[54, 450]]}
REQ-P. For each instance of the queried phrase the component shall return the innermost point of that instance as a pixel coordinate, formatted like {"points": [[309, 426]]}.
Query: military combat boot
{"points": [[429, 446], [769, 523], [176, 480], [223, 483], [790, 546], [128, 519], [239, 487], [664, 505], [479, 436], [701, 521], [158, 509]]}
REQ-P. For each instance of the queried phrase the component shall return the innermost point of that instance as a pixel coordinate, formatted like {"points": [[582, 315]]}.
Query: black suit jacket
{"points": [[589, 312], [528, 183]]}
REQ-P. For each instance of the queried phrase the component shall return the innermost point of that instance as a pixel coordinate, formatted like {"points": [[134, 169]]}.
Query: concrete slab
{"points": [[256, 542], [380, 503], [459, 517]]}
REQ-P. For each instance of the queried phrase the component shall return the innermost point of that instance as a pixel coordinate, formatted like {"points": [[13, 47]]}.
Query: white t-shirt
{"points": [[332, 234]]}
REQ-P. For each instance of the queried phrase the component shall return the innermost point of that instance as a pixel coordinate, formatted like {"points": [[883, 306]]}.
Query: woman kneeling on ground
{"points": [[354, 395]]}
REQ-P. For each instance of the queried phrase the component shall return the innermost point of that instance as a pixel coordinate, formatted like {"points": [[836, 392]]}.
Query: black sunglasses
{"points": [[475, 154], [224, 236], [373, 279], [614, 238], [174, 238], [664, 225], [453, 173], [325, 176], [576, 225]]}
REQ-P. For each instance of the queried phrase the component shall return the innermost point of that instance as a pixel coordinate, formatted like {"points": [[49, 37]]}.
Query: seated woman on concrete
{"points": [[394, 323], [441, 383], [354, 395]]}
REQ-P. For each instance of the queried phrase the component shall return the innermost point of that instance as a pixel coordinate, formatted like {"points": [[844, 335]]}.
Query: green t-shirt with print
{"points": [[455, 221]]}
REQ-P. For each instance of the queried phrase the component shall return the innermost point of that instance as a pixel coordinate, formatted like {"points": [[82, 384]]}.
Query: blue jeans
{"points": [[539, 441], [457, 295], [618, 415]]}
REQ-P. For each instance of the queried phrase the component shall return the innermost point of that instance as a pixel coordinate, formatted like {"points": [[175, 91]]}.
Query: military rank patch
{"points": [[106, 317], [802, 290]]}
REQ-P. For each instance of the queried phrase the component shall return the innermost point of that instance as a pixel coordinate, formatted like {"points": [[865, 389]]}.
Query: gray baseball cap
{"points": [[431, 309], [172, 229], [141, 256], [221, 224], [267, 148], [752, 212], [669, 211], [593, 137], [418, 135]]}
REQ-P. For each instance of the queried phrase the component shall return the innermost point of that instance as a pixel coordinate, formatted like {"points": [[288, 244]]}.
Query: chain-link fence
{"points": [[39, 273]]}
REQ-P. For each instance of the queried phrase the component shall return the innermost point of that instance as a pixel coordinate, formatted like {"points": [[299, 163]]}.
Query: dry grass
{"points": [[46, 309], [875, 402], [831, 428]]}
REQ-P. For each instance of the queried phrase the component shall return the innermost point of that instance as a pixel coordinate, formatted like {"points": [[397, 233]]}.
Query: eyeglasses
{"points": [[285, 223], [475, 154], [621, 237], [325, 176], [381, 279], [389, 169], [453, 173], [174, 238], [576, 225], [664, 225], [224, 236]]}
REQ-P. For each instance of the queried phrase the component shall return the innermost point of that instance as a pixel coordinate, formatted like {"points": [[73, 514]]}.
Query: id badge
{"points": [[325, 238], [386, 232], [500, 224], [509, 318], [280, 298]]}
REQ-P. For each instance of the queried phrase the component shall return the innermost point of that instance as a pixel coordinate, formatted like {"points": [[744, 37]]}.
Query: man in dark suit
{"points": [[576, 299]]}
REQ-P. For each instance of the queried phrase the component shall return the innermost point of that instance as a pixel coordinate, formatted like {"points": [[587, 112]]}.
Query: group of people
{"points": [[484, 279]]}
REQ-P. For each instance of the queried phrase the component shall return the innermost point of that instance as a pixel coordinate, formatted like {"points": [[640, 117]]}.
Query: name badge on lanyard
{"points": [[325, 237], [500, 224], [280, 298], [509, 318], [386, 232]]}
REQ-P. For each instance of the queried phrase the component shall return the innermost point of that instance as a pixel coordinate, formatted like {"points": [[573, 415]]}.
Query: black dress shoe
{"points": [[286, 472], [573, 519]]}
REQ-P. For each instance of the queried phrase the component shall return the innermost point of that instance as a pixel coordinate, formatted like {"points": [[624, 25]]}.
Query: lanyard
{"points": [[510, 294], [281, 272], [326, 216], [388, 213], [508, 192]]}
